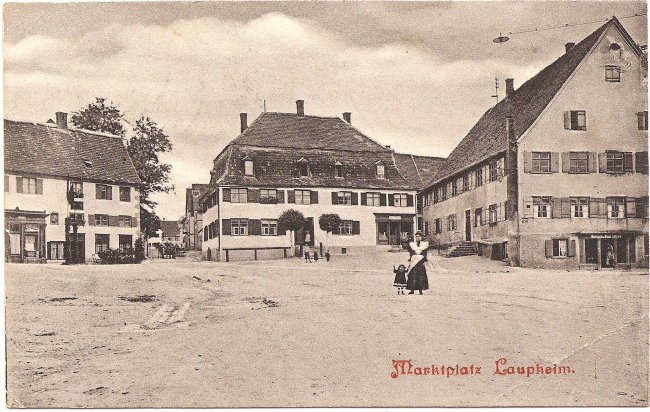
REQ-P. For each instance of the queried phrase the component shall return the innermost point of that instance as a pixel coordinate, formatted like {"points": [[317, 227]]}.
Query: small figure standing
{"points": [[327, 255], [307, 256], [315, 255], [400, 278]]}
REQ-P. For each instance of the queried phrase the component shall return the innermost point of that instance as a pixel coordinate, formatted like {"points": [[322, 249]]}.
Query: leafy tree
{"points": [[329, 222], [291, 220], [149, 222], [139, 250], [100, 117]]}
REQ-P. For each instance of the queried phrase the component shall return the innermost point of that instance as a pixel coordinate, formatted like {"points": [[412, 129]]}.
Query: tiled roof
{"points": [[416, 169], [170, 228], [488, 136], [51, 151], [306, 132]]}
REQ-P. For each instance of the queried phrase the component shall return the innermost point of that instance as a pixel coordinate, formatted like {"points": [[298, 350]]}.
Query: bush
{"points": [[139, 251], [116, 257]]}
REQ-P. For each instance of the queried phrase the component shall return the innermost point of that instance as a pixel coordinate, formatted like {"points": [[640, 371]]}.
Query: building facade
{"points": [[566, 162], [193, 221], [315, 165], [54, 173]]}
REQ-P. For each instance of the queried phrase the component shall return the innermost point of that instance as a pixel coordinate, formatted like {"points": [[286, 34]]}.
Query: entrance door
{"points": [[591, 251], [468, 225], [394, 237], [607, 253]]}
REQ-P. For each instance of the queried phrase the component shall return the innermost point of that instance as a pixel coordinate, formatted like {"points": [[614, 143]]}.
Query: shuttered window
{"points": [[615, 207], [541, 162], [101, 220], [103, 192], [344, 198], [303, 197], [578, 162], [269, 227], [579, 207], [239, 195], [372, 199], [575, 120], [268, 196], [542, 207], [239, 227], [401, 199]]}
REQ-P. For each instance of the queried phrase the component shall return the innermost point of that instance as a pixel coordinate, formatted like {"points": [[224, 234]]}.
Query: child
{"points": [[307, 257], [400, 278], [327, 255], [315, 255]]}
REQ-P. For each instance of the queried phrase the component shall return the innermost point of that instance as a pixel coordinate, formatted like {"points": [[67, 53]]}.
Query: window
{"points": [[401, 199], [372, 199], [239, 227], [478, 217], [479, 177], [239, 195], [541, 206], [303, 167], [104, 192], [125, 194], [126, 242], [560, 247], [579, 207], [443, 190], [541, 162], [101, 243], [344, 198], [6, 183], [248, 167], [269, 227], [451, 222], [338, 169], [642, 120], [54, 218], [268, 196], [27, 185], [612, 73], [615, 162], [436, 198], [124, 221], [575, 120], [465, 183], [345, 227], [438, 225], [615, 207], [101, 220], [493, 169], [578, 162], [56, 251], [77, 189], [303, 197], [77, 218], [493, 213], [380, 170]]}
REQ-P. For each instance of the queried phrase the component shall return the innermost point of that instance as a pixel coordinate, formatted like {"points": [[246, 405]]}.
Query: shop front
{"points": [[608, 250], [25, 236], [394, 229]]}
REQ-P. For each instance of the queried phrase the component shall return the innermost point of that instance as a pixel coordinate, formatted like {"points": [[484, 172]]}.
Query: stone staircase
{"points": [[461, 249]]}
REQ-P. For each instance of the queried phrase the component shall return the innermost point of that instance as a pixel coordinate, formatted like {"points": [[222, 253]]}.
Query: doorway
{"points": [[468, 225], [607, 253], [591, 251], [394, 235]]}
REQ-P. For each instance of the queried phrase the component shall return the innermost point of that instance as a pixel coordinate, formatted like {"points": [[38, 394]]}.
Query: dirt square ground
{"points": [[186, 333]]}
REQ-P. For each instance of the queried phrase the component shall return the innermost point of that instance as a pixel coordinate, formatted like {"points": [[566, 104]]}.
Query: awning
{"points": [[493, 240]]}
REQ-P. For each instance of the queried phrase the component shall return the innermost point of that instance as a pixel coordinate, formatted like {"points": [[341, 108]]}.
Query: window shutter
{"points": [[253, 195], [113, 221], [597, 208], [528, 162], [97, 191], [254, 226], [567, 120], [216, 227], [39, 186], [593, 162], [109, 192], [556, 205], [356, 227], [565, 162], [630, 207], [354, 198], [486, 216], [641, 162], [364, 199], [566, 207], [602, 162], [314, 197], [134, 222], [19, 184], [572, 248], [391, 200], [280, 195], [640, 207], [555, 162], [91, 219], [383, 199], [548, 248], [639, 120], [628, 162], [291, 196], [409, 200], [226, 194], [528, 208], [225, 226], [335, 197]]}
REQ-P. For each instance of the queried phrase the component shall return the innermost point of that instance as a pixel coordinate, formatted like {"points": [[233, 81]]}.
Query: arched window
{"points": [[303, 167]]}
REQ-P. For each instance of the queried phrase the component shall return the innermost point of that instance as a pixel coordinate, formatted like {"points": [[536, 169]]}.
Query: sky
{"points": [[415, 75]]}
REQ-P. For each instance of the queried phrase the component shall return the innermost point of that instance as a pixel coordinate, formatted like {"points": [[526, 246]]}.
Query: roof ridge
{"points": [[417, 169], [302, 147], [74, 129]]}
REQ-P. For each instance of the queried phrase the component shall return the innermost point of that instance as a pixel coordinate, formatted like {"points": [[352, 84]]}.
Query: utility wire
{"points": [[575, 24]]}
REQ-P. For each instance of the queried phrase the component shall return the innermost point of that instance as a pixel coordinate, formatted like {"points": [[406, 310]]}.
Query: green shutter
{"points": [[254, 226], [226, 194], [91, 219], [602, 162], [253, 195], [555, 162], [354, 198], [409, 200], [113, 221], [134, 222], [628, 162], [314, 197], [335, 198], [391, 200], [566, 207], [225, 226], [593, 162], [566, 163], [19, 184], [356, 227], [291, 196], [364, 199], [39, 186], [548, 248], [528, 162], [382, 199], [280, 195]]}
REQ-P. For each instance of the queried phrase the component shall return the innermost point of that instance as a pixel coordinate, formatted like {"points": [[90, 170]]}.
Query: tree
{"points": [[100, 117], [149, 222], [329, 222], [291, 220]]}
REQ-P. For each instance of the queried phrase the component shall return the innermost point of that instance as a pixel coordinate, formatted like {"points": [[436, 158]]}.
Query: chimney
{"points": [[300, 107], [347, 116], [510, 87], [243, 117], [62, 120], [568, 47]]}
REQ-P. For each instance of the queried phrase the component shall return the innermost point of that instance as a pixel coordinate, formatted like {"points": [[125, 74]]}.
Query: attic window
{"points": [[380, 171], [303, 167], [614, 47], [338, 169], [248, 167], [88, 163]]}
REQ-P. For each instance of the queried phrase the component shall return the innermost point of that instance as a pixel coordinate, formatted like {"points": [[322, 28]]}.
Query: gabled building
{"points": [[556, 174], [54, 173], [170, 232], [316, 165], [192, 223]]}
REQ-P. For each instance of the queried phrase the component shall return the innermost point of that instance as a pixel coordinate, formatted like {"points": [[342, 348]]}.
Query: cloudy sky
{"points": [[415, 75]]}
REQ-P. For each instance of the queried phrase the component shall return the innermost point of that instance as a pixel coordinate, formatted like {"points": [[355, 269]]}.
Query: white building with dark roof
{"points": [[54, 173]]}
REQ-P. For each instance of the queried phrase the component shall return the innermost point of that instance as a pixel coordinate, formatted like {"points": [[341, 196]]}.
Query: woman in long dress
{"points": [[417, 274]]}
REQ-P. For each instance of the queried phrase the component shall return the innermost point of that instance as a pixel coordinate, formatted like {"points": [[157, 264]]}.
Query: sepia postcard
{"points": [[325, 204]]}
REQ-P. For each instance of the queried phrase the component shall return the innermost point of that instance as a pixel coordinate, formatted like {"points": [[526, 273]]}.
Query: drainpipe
{"points": [[512, 190]]}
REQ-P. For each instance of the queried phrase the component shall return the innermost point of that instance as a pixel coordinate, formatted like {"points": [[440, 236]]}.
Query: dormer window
{"points": [[303, 167], [248, 166], [88, 163], [338, 169], [380, 170]]}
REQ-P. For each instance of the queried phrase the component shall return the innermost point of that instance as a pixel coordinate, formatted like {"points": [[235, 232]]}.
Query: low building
{"points": [[556, 174], [170, 232], [55, 174], [192, 223], [315, 165]]}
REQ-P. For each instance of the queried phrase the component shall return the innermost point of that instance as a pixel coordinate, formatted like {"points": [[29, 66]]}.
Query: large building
{"points": [[193, 220], [316, 165], [556, 174], [53, 172]]}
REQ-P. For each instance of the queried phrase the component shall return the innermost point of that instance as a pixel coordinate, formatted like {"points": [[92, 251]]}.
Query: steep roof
{"points": [[488, 136], [51, 151], [290, 130], [416, 169], [170, 228]]}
